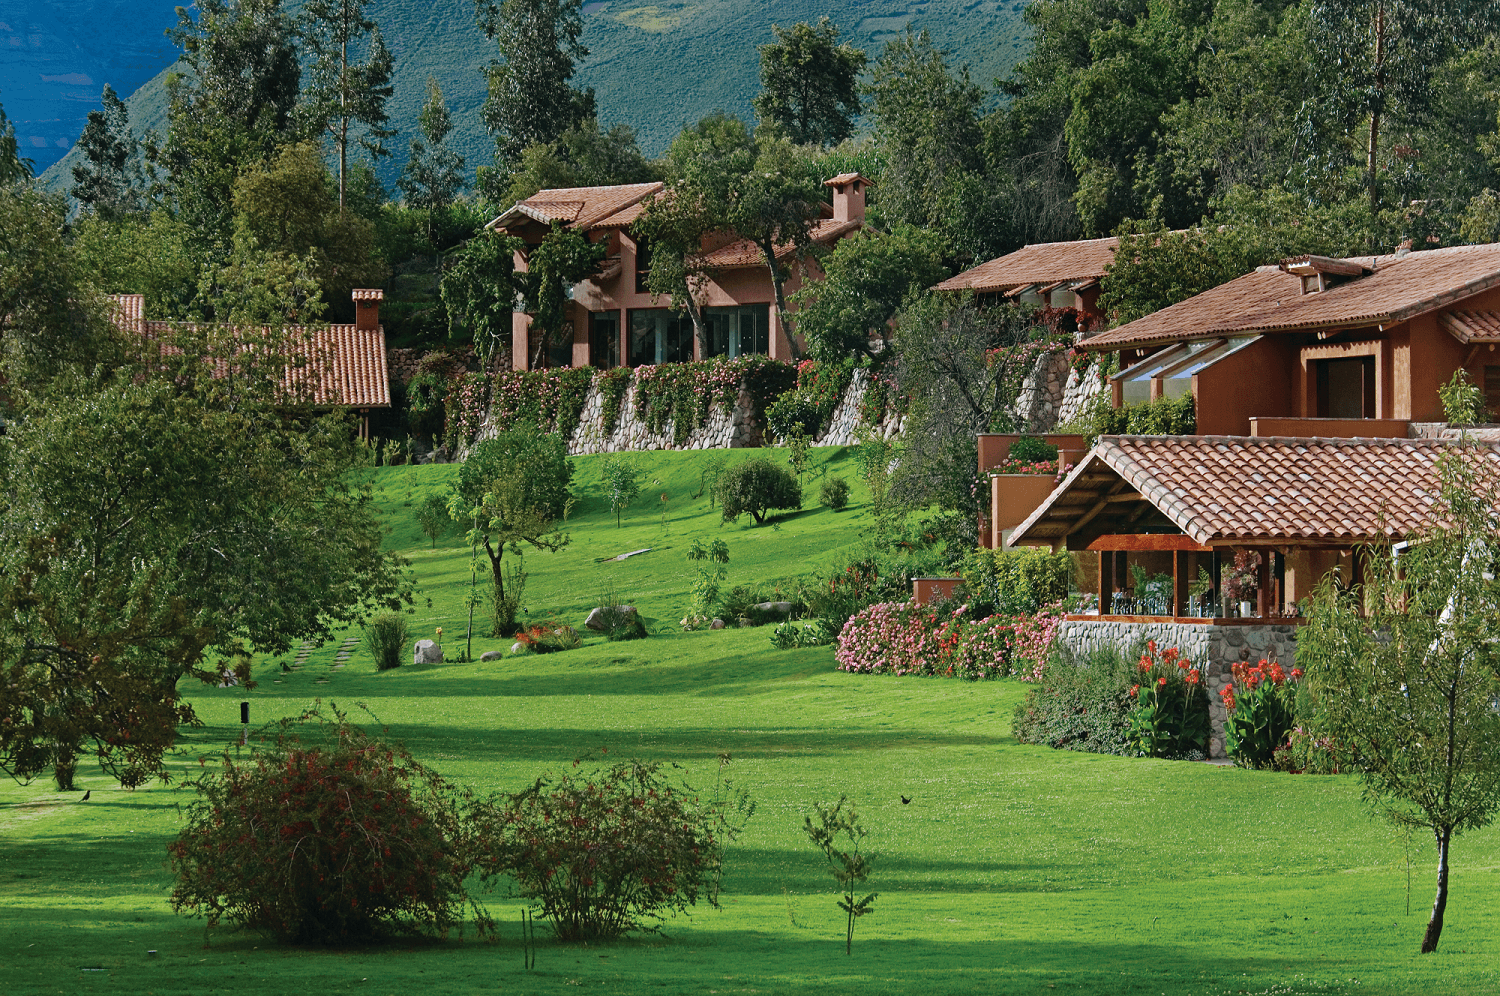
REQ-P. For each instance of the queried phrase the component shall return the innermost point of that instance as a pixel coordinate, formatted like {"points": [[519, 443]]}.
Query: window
{"points": [[1346, 388], [604, 339], [737, 331], [658, 335]]}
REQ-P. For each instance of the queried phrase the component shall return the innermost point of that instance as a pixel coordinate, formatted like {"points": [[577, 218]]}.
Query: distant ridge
{"points": [[654, 65]]}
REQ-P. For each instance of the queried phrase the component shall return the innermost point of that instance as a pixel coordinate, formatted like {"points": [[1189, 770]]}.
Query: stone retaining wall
{"points": [[1219, 646]]}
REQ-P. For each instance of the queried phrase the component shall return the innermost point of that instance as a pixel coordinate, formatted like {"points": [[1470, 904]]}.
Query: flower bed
{"points": [[903, 638]]}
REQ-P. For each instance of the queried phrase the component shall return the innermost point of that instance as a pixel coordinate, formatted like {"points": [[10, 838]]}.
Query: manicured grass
{"points": [[1014, 869]]}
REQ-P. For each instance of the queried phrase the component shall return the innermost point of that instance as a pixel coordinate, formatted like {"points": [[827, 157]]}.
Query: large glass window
{"points": [[658, 335], [739, 330], [604, 339]]}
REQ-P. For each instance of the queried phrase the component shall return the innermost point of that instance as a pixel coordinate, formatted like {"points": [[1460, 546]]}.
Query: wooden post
{"points": [[1106, 580], [1177, 600], [1263, 584]]}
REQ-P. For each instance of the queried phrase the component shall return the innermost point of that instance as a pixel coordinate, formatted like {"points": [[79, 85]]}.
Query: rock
{"points": [[491, 655], [517, 648], [427, 652], [716, 624], [595, 621], [783, 607]]}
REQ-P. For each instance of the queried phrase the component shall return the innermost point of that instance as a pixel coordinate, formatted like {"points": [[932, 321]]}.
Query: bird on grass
{"points": [[905, 801], [86, 795]]}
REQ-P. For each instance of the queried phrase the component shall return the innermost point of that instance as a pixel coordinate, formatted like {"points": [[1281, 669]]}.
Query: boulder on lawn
{"points": [[716, 624], [595, 621], [427, 652], [491, 655], [785, 608]]}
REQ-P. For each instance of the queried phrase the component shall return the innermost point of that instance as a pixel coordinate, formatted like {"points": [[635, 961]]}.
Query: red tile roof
{"points": [[1255, 490], [580, 207], [1473, 326], [743, 252], [345, 365], [1270, 300], [1043, 263]]}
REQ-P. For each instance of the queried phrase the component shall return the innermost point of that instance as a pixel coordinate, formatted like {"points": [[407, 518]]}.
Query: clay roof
{"points": [[1271, 300], [1043, 263], [843, 178], [1231, 490], [345, 366], [743, 252], [579, 207], [1473, 326]]}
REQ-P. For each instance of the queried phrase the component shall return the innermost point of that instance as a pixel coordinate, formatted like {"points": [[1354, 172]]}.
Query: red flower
{"points": [[1162, 681], [1297, 673], [1135, 690]]}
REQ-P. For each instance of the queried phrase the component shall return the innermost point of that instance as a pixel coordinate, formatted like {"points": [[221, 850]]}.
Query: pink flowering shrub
{"points": [[902, 638]]}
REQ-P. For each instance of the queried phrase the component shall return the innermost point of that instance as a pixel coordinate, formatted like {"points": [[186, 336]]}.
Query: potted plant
{"points": [[1242, 582]]}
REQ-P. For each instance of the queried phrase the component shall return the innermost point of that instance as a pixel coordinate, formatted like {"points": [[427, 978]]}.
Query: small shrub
{"points": [[1017, 581], [341, 840], [846, 867], [385, 637], [1463, 401], [834, 492], [549, 638], [1262, 712], [792, 635], [620, 624], [1030, 449], [1079, 703], [756, 486], [602, 851], [1170, 717]]}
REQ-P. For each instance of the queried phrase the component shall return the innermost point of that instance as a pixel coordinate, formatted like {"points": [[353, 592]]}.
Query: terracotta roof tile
{"points": [[1043, 263], [1473, 326], [579, 207], [1259, 490], [369, 294], [1270, 300], [846, 178], [129, 310], [743, 252]]}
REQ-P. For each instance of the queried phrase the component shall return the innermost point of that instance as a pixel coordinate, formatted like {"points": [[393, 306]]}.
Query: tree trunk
{"points": [[497, 577], [1377, 106], [778, 279], [1440, 901], [344, 109], [700, 327]]}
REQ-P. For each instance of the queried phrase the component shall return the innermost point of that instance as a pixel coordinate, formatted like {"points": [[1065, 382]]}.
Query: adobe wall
{"points": [[1218, 646]]}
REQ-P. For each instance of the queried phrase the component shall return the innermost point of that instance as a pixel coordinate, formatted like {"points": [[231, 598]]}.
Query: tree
{"points": [[151, 255], [1379, 55], [515, 488], [530, 99], [623, 483], [103, 182], [433, 174], [343, 92], [809, 83], [479, 287], [12, 167], [432, 517], [584, 156], [1404, 666], [565, 257], [846, 867], [756, 486], [866, 279]]}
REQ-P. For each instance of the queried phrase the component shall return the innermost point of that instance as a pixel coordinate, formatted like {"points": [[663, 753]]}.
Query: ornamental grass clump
{"points": [[345, 839], [385, 638], [1170, 717], [603, 851], [1262, 705]]}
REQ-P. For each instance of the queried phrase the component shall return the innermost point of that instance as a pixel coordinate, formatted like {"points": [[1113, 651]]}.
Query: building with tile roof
{"points": [[616, 321], [335, 366], [1172, 505], [1053, 274], [1337, 344]]}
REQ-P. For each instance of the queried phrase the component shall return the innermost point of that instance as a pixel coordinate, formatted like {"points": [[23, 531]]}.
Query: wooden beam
{"points": [[1099, 506], [1144, 542]]}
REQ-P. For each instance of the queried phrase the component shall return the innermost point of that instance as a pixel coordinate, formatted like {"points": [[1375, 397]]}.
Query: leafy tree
{"points": [[1378, 56], [809, 83], [565, 257], [433, 174], [866, 279], [479, 287], [345, 93], [151, 255], [530, 98], [515, 488], [622, 481], [103, 182], [756, 486], [1404, 667], [12, 167], [432, 517], [583, 156]]}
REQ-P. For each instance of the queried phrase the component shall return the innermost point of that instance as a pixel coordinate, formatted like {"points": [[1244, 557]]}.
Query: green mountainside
{"points": [[654, 66]]}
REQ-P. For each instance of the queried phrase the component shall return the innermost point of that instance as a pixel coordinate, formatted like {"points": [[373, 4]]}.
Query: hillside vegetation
{"points": [[654, 66]]}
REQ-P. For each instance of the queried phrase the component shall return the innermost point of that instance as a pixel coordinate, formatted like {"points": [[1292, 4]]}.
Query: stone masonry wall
{"points": [[1218, 647]]}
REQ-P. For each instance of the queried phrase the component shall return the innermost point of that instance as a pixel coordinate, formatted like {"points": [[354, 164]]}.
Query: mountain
{"points": [[654, 65]]}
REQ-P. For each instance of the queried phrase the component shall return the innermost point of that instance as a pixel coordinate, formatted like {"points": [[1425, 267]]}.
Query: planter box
{"points": [[994, 447], [1013, 497], [924, 590]]}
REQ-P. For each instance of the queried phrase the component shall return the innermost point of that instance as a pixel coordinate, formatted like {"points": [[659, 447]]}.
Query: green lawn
{"points": [[1014, 869]]}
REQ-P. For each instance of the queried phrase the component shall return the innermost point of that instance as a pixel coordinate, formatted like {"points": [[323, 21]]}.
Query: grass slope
{"points": [[654, 65], [1014, 869]]}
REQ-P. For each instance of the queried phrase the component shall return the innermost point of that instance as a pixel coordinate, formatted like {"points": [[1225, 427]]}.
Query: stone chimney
{"points": [[367, 309], [848, 196]]}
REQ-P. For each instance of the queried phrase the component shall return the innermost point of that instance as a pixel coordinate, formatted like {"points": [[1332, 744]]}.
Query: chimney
{"points": [[367, 309], [848, 196]]}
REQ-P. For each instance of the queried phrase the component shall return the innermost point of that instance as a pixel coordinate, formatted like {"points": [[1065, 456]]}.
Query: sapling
{"points": [[623, 484], [824, 828], [706, 587]]}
